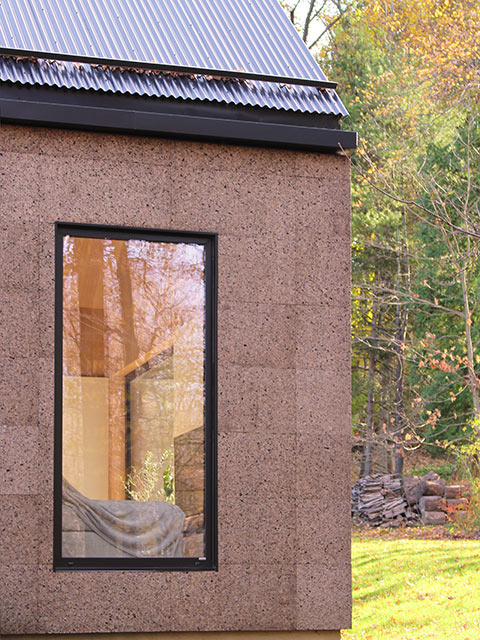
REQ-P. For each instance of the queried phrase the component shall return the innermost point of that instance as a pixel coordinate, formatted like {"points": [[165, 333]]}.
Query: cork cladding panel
{"points": [[283, 379]]}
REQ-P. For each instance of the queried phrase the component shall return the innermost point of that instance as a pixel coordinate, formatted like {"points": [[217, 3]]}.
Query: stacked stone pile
{"points": [[391, 501], [440, 502], [379, 500]]}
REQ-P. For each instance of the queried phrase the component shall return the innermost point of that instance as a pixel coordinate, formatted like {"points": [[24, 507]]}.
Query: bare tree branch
{"points": [[417, 205]]}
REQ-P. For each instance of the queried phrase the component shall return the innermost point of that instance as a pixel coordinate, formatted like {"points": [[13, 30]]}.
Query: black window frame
{"points": [[210, 242]]}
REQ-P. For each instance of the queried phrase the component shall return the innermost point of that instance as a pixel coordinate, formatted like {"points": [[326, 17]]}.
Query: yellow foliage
{"points": [[443, 36]]}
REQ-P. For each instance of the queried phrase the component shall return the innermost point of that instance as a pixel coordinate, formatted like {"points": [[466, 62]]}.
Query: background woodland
{"points": [[409, 75]]}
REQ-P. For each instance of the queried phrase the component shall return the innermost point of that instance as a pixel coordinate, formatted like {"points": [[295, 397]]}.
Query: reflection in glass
{"points": [[133, 398]]}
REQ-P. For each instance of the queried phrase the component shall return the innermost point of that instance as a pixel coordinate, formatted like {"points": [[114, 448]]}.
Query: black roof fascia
{"points": [[101, 111]]}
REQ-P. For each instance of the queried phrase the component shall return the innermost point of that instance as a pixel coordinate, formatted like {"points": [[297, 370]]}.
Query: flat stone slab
{"points": [[434, 488], [453, 491], [414, 488], [431, 503], [434, 517], [458, 502]]}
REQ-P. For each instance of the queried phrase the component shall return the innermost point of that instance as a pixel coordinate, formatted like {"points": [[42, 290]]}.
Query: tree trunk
{"points": [[472, 378], [308, 19], [129, 339], [369, 423], [401, 318]]}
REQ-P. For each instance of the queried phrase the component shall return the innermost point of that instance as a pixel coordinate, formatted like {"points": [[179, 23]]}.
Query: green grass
{"points": [[406, 589]]}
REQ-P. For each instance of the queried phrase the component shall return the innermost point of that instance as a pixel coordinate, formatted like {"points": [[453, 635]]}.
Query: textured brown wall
{"points": [[194, 635], [283, 220]]}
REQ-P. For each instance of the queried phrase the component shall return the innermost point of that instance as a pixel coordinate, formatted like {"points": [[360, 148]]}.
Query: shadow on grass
{"points": [[396, 568], [408, 589]]}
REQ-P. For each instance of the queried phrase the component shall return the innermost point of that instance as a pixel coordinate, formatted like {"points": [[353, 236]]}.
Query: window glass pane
{"points": [[133, 431]]}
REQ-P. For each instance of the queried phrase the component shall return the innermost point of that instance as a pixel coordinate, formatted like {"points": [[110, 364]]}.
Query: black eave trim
{"points": [[36, 105]]}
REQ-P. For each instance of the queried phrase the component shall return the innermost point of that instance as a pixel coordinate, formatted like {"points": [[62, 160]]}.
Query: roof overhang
{"points": [[140, 65], [96, 110]]}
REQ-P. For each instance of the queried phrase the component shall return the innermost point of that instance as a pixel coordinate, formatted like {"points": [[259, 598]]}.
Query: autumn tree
{"points": [[415, 214], [314, 19]]}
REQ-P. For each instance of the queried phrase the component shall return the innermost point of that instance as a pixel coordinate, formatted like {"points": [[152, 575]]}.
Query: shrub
{"points": [[468, 465], [445, 471], [153, 480]]}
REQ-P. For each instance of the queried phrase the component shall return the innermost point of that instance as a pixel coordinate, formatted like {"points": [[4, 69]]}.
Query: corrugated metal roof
{"points": [[252, 35]]}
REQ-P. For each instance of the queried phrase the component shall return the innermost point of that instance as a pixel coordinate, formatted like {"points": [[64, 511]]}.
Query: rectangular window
{"points": [[135, 408]]}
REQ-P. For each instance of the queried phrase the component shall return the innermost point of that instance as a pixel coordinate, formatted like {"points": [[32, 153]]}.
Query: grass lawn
{"points": [[412, 589]]}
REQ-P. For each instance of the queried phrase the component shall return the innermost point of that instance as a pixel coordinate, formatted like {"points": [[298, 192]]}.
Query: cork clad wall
{"points": [[283, 379]]}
